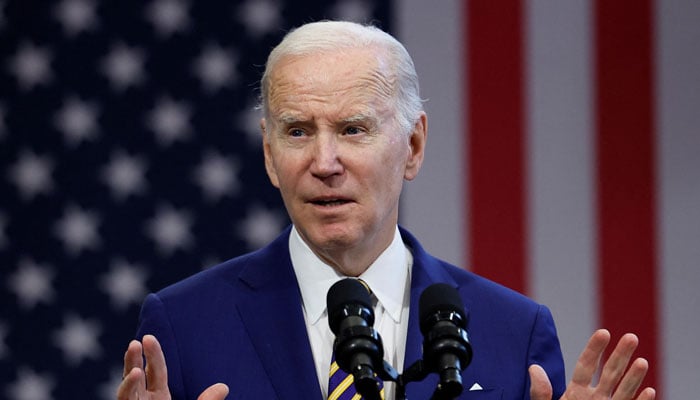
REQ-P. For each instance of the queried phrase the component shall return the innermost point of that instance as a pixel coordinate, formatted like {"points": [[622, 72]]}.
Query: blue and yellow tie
{"points": [[340, 385]]}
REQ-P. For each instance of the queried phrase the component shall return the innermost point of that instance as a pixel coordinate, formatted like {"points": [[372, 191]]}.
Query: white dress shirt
{"points": [[388, 277]]}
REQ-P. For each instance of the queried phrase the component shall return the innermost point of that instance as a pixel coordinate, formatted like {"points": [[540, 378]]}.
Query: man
{"points": [[343, 128]]}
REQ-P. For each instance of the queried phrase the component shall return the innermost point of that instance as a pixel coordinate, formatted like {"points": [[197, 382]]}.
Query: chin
{"points": [[328, 239]]}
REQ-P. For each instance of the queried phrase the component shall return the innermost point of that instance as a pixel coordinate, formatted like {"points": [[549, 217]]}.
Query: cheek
{"points": [[286, 170], [388, 175], [394, 160]]}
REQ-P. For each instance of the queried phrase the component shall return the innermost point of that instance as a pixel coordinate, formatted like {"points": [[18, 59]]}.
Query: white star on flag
{"points": [[77, 120], [170, 229], [250, 118], [31, 66], [76, 16], [169, 16], [260, 226], [215, 67], [78, 339], [32, 283], [169, 120], [125, 175], [123, 66], [124, 283], [78, 230], [32, 174], [31, 386], [260, 16], [107, 390], [216, 175]]}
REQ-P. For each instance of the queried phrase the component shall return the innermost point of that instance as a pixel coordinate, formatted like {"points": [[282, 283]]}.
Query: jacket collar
{"points": [[265, 307]]}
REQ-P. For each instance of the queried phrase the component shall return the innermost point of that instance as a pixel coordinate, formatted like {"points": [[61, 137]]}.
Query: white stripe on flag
{"points": [[433, 205], [678, 149], [561, 159]]}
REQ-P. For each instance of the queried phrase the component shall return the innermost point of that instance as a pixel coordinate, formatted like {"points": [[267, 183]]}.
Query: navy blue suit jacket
{"points": [[242, 323]]}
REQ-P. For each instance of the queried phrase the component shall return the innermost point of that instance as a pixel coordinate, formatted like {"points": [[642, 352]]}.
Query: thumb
{"points": [[218, 391], [540, 387]]}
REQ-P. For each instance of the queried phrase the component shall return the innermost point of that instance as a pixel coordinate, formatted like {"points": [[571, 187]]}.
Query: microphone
{"points": [[446, 348], [358, 347]]}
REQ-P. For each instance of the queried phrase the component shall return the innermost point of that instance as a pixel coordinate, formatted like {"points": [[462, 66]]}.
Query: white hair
{"points": [[323, 36]]}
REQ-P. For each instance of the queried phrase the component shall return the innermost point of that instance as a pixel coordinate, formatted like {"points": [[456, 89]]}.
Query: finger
{"points": [[588, 361], [615, 366], [217, 391], [133, 386], [156, 370], [647, 394], [632, 380], [540, 386], [133, 357]]}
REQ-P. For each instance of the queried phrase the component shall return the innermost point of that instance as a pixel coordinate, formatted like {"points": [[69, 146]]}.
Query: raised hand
{"points": [[133, 386], [614, 382]]}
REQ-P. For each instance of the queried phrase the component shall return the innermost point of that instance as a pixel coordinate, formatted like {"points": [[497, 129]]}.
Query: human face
{"points": [[333, 148]]}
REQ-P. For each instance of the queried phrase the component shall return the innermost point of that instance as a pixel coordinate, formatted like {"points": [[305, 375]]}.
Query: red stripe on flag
{"points": [[495, 143], [626, 178]]}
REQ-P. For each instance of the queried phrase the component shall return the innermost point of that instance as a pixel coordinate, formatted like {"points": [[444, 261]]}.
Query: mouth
{"points": [[329, 202]]}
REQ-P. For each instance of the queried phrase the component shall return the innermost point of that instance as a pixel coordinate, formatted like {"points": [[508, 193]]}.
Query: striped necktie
{"points": [[340, 383]]}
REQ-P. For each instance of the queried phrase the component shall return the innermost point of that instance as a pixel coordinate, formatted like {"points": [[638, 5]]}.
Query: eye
{"points": [[296, 132], [353, 130]]}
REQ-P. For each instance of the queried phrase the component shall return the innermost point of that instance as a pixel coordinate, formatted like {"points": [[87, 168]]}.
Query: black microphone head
{"points": [[440, 299], [344, 294]]}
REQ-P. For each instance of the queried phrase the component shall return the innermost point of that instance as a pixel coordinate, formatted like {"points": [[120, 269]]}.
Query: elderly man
{"points": [[343, 128]]}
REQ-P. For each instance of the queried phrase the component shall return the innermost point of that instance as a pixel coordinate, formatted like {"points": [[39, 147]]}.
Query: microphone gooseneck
{"points": [[446, 348]]}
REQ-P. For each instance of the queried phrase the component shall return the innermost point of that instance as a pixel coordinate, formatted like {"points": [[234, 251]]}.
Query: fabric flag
{"points": [[130, 157], [563, 162]]}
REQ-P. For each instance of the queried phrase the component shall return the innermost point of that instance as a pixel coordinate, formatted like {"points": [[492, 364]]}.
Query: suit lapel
{"points": [[272, 305], [424, 273], [265, 306]]}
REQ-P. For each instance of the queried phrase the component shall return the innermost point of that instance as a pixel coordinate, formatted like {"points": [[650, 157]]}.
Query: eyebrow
{"points": [[359, 118], [294, 119], [290, 119]]}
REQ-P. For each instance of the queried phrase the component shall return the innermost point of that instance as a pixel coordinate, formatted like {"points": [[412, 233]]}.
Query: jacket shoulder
{"points": [[268, 264]]}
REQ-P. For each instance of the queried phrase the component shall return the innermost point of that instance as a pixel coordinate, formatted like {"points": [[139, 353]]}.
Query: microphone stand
{"points": [[415, 373]]}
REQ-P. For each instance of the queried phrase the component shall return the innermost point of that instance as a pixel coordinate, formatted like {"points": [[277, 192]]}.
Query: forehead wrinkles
{"points": [[369, 83], [379, 84]]}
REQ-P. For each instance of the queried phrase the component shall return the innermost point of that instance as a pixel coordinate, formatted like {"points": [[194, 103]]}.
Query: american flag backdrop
{"points": [[130, 157], [562, 160]]}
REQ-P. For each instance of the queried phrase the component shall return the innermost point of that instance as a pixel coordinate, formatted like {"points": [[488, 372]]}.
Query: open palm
{"points": [[134, 386], [614, 382]]}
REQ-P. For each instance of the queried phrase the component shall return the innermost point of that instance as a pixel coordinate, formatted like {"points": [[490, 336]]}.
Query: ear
{"points": [[269, 164], [416, 147]]}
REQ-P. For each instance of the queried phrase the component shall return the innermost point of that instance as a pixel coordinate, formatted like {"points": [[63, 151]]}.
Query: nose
{"points": [[326, 156]]}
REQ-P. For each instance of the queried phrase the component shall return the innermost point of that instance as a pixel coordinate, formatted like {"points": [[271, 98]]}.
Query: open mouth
{"points": [[330, 202]]}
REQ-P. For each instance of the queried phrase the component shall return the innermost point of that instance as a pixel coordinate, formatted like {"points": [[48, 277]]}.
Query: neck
{"points": [[354, 261]]}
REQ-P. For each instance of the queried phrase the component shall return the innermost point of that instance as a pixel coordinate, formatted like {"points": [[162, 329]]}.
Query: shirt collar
{"points": [[387, 277]]}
